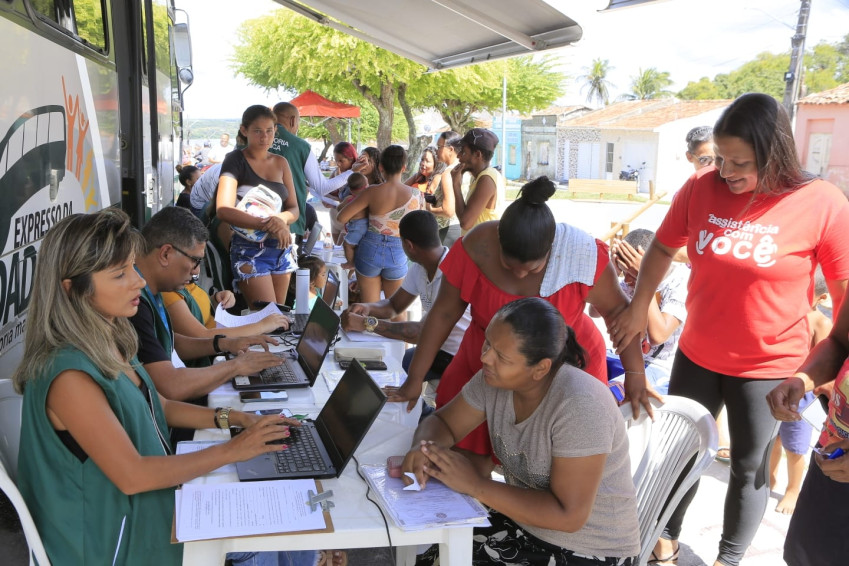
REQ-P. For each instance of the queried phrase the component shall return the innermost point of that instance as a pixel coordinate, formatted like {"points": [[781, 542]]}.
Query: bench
{"points": [[603, 186]]}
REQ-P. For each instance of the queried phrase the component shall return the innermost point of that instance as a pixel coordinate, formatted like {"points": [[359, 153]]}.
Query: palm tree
{"points": [[649, 84], [596, 81]]}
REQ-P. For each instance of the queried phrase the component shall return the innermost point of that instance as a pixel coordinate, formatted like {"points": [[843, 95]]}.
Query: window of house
{"points": [[608, 160]]}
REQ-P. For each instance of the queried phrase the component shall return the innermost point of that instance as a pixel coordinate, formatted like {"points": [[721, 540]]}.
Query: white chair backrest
{"points": [[10, 436], [10, 426], [661, 452]]}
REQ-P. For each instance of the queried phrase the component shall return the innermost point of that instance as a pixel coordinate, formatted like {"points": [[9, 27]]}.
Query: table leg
{"points": [[405, 555], [457, 550]]}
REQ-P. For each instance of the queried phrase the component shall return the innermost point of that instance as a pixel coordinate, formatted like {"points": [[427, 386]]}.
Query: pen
{"points": [[836, 454]]}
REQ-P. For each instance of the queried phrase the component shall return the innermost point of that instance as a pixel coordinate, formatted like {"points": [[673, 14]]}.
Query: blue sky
{"points": [[690, 39]]}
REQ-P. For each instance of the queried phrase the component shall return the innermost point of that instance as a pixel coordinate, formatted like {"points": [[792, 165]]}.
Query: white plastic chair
{"points": [[10, 435], [683, 431]]}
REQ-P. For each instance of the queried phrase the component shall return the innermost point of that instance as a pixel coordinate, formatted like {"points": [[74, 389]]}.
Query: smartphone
{"points": [[261, 396], [367, 364], [259, 305], [429, 198]]}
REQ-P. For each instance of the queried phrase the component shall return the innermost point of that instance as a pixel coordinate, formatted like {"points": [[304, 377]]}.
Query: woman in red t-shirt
{"points": [[525, 254], [755, 227]]}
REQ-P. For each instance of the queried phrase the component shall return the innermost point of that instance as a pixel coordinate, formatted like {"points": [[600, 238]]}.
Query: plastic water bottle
{"points": [[328, 248]]}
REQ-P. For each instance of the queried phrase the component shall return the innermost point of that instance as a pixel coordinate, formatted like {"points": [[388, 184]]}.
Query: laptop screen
{"points": [[331, 289], [318, 334], [349, 412]]}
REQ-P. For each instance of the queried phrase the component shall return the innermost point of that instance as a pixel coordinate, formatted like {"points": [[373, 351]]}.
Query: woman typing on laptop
{"points": [[95, 466]]}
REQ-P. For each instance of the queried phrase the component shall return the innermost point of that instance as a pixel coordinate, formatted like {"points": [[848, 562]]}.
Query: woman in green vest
{"points": [[95, 465]]}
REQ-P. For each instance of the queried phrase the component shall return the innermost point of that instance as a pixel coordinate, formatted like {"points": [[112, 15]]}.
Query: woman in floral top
{"points": [[380, 260]]}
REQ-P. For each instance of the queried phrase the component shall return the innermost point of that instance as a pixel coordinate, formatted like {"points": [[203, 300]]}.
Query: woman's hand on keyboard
{"points": [[255, 439], [235, 345], [250, 362]]}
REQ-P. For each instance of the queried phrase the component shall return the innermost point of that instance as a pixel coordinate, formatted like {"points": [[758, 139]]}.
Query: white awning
{"points": [[441, 34]]}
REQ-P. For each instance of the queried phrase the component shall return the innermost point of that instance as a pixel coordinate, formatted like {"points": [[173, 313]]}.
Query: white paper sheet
{"points": [[227, 320], [242, 509], [435, 506], [190, 446]]}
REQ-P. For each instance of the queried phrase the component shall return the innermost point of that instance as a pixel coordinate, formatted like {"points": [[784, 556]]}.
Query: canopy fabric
{"points": [[441, 34], [311, 103]]}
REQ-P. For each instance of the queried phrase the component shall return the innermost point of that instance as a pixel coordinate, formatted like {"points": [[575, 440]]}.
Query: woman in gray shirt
{"points": [[568, 498]]}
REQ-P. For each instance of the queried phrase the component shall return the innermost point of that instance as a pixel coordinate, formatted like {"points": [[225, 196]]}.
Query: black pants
{"points": [[818, 529], [752, 429]]}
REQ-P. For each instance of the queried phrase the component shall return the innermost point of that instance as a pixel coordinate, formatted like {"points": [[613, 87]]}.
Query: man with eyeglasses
{"points": [[175, 242]]}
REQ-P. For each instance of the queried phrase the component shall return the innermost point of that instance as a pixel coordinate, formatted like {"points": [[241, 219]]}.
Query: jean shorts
{"points": [[355, 230], [381, 256], [265, 258]]}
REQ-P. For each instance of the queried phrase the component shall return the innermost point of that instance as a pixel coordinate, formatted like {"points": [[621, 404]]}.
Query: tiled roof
{"points": [[643, 114], [560, 110], [836, 95]]}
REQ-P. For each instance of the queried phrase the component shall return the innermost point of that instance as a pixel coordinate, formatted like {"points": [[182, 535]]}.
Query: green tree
{"points": [[704, 89], [347, 69], [286, 50], [649, 84], [595, 81]]}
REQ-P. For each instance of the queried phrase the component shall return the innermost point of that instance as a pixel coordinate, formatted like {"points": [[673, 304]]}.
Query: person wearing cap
{"points": [[476, 150]]}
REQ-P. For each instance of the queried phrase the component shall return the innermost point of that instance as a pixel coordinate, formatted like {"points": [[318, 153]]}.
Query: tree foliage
{"points": [[649, 84], [595, 81], [826, 66], [286, 50]]}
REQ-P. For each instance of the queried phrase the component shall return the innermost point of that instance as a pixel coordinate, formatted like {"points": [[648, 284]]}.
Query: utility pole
{"points": [[793, 77]]}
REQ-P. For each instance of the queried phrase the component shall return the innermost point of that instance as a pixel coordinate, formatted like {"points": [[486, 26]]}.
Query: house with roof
{"points": [[647, 135], [539, 137], [822, 134]]}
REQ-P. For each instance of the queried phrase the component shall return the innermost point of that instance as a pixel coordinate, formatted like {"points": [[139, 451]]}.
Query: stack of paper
{"points": [[436, 506], [241, 509]]}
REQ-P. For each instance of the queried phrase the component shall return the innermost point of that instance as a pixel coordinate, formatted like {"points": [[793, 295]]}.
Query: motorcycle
{"points": [[630, 173]]}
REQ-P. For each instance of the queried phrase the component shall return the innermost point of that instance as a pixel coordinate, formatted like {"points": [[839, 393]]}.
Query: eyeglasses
{"points": [[194, 258], [706, 160]]}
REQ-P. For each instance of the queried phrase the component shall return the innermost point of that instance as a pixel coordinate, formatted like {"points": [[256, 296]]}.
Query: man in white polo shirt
{"points": [[420, 241]]}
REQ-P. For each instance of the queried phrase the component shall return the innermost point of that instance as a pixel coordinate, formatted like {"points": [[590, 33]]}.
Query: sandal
{"points": [[723, 454], [657, 561]]}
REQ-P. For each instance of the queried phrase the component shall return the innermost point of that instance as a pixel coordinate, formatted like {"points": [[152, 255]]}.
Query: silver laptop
{"points": [[322, 448], [312, 348]]}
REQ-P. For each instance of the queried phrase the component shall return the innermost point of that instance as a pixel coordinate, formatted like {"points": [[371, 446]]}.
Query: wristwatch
{"points": [[215, 343], [222, 417], [370, 323]]}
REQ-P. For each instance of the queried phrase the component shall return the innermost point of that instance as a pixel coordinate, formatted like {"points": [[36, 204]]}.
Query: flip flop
{"points": [[726, 457]]}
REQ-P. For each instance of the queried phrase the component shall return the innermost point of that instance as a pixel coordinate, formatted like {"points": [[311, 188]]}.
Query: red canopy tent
{"points": [[311, 103]]}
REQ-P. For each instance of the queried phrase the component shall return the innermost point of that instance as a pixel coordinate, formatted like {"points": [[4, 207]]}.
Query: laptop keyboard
{"points": [[302, 454], [279, 374]]}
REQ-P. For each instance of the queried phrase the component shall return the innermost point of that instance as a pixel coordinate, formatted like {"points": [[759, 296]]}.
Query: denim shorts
{"points": [[355, 230], [265, 258], [381, 256]]}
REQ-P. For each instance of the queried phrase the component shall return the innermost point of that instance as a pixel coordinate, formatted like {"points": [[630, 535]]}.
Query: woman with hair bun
{"points": [[525, 254]]}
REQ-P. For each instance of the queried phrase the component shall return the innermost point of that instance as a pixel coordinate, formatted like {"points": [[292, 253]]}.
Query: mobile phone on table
{"points": [[262, 396], [373, 365]]}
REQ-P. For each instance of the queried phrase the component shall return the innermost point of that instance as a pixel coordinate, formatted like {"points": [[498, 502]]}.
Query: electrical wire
{"points": [[392, 549]]}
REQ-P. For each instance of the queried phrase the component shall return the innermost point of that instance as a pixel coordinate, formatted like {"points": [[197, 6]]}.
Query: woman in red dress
{"points": [[525, 254]]}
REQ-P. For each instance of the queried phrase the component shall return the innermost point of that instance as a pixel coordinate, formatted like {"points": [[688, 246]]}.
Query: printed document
{"points": [[206, 511], [436, 506], [227, 320]]}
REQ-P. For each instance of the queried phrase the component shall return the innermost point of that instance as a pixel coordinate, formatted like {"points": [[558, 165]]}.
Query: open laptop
{"points": [[311, 350], [329, 295], [322, 448]]}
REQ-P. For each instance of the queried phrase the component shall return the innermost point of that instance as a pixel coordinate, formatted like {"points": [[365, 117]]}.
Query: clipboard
{"points": [[327, 529]]}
